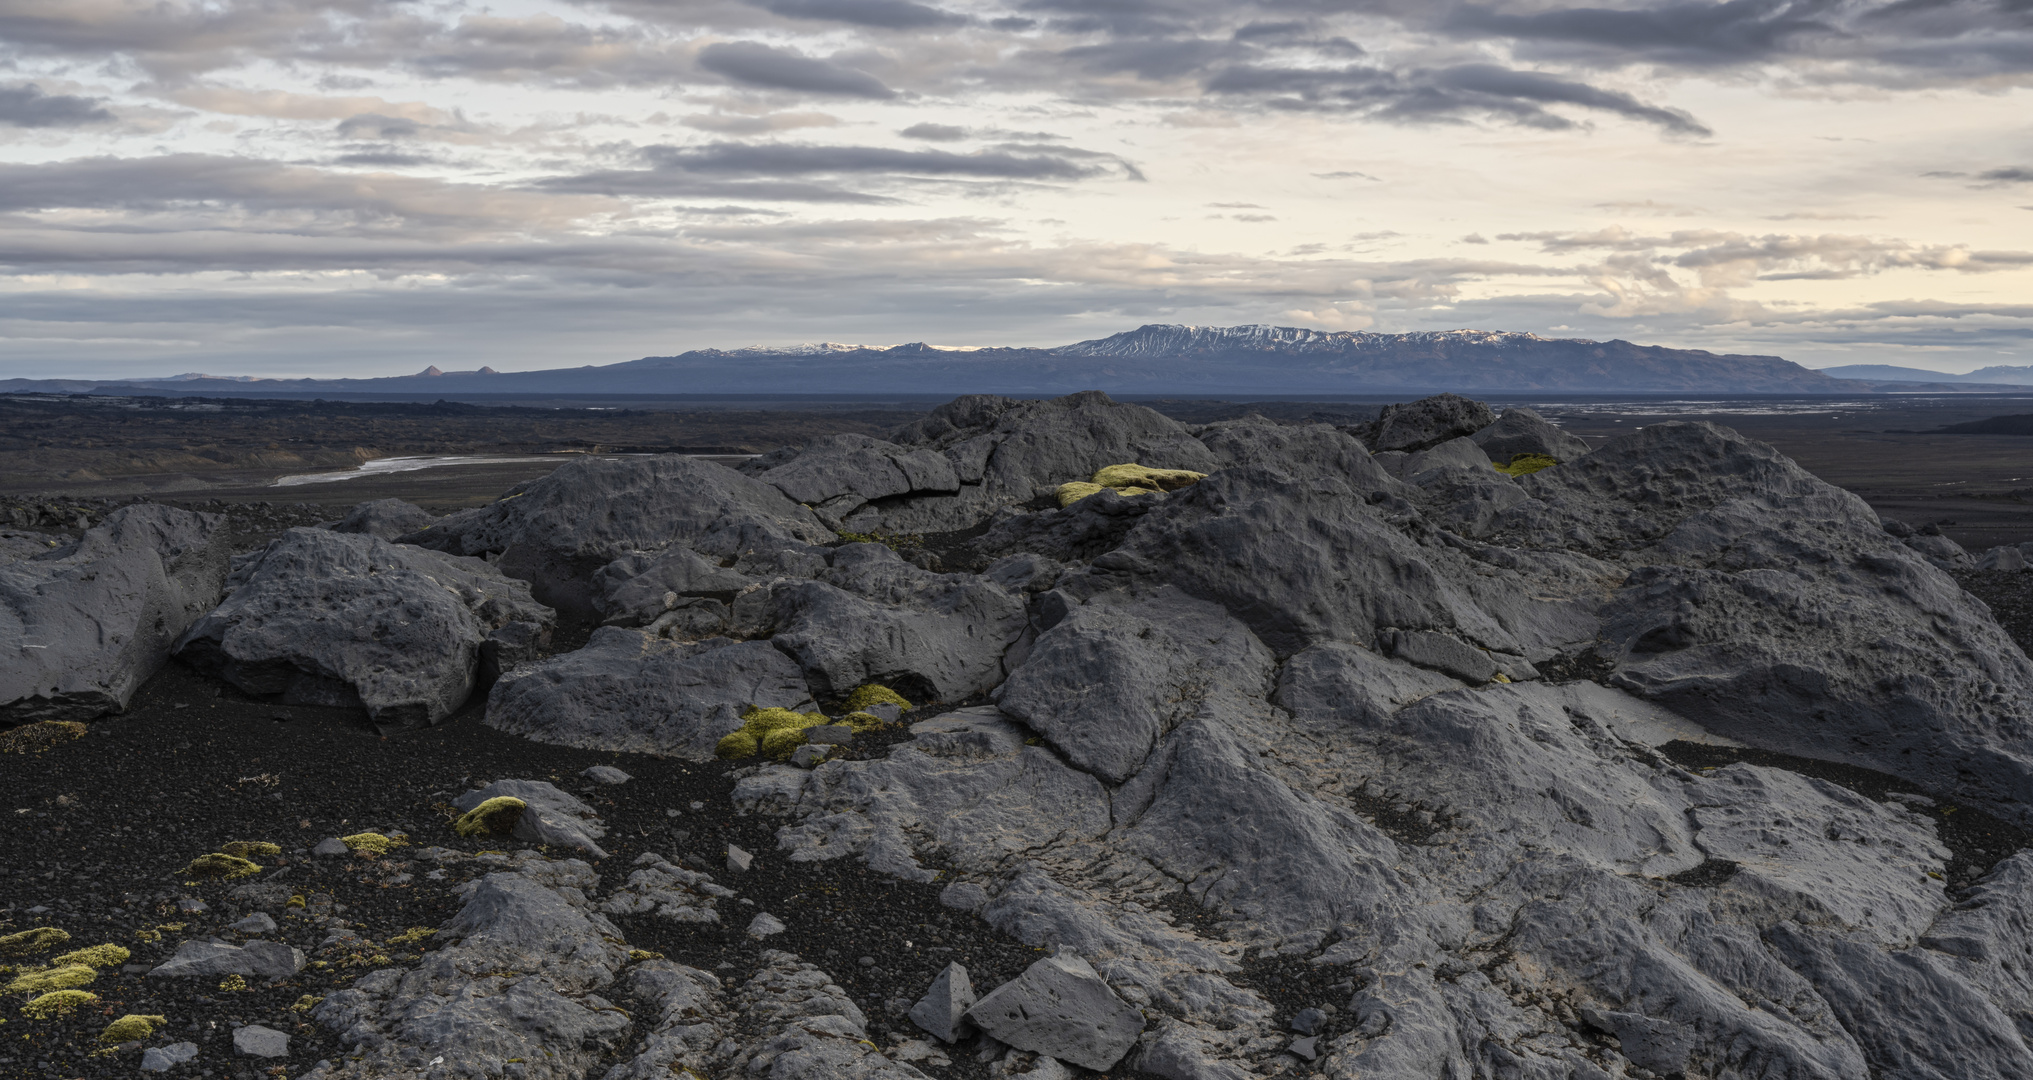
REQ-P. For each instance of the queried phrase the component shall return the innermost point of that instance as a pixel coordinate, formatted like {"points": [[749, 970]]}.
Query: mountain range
{"points": [[2005, 374], [1161, 359]]}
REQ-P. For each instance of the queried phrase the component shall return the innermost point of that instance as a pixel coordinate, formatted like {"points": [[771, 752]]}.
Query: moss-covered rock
{"points": [[863, 723], [35, 738], [131, 1028], [373, 842], [775, 732], [60, 1003], [29, 942], [494, 817], [47, 979], [222, 867], [247, 849], [873, 694], [96, 956], [1121, 477], [1526, 464], [1074, 491]]}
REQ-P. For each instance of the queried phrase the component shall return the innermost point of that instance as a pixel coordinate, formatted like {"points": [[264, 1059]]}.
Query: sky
{"points": [[364, 187]]}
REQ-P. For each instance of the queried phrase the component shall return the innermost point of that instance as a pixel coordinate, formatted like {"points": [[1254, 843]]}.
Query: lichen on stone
{"points": [[32, 941], [47, 979], [131, 1028], [37, 737], [96, 956], [221, 866], [494, 817], [60, 1003]]}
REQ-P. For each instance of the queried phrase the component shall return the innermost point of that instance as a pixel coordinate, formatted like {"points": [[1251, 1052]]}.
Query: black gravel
{"points": [[101, 827]]}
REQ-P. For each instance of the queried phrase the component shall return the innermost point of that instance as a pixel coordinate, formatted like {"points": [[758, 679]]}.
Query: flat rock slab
{"points": [[268, 959], [257, 1041], [1059, 1007]]}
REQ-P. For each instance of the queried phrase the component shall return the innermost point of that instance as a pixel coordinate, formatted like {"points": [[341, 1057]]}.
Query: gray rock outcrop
{"points": [[1428, 422], [325, 618], [629, 690], [85, 624], [384, 518], [1521, 431]]}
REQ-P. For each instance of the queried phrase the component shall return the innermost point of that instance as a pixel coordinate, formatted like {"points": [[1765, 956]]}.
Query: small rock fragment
{"points": [[606, 774], [257, 923], [193, 906], [831, 734], [808, 756], [943, 1009], [1308, 1021], [764, 924], [329, 846], [1308, 1047], [257, 1041], [165, 1058], [738, 860]]}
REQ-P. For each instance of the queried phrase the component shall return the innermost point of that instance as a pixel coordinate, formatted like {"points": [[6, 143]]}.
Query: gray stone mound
{"points": [[548, 952], [385, 518], [552, 817], [556, 532], [1521, 431], [1428, 422], [326, 618], [630, 690], [84, 625]]}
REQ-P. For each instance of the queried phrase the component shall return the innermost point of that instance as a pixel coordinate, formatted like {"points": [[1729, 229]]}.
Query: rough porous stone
{"points": [[1428, 422], [325, 618], [943, 1009], [85, 624], [1521, 431], [551, 816]]}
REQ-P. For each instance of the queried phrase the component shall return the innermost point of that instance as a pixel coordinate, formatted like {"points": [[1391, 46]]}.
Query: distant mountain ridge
{"points": [[1999, 374], [1158, 358]]}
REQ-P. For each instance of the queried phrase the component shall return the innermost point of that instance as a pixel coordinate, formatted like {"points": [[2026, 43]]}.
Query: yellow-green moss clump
{"points": [[233, 983], [1128, 481], [60, 1003], [97, 956], [412, 935], [372, 842], [1526, 464], [495, 817], [35, 738], [222, 866], [30, 942], [247, 849], [864, 697], [863, 723], [61, 978], [1143, 476], [774, 732], [131, 1027]]}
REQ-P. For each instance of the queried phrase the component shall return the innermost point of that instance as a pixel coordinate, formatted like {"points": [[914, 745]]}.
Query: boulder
{"points": [[556, 532], [165, 1058], [254, 1040], [873, 618], [85, 624], [636, 590], [325, 618], [838, 474], [267, 959], [550, 817], [1428, 422], [628, 690], [385, 518], [1061, 1008], [1521, 431]]}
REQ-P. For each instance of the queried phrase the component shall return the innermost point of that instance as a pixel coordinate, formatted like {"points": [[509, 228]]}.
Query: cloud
{"points": [[767, 123], [934, 132], [1699, 33], [804, 172], [881, 14], [28, 107], [1344, 174], [1449, 94], [770, 68], [2016, 174], [377, 126]]}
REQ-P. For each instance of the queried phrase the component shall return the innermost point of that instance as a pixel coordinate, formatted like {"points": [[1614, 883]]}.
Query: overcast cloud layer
{"points": [[363, 187]]}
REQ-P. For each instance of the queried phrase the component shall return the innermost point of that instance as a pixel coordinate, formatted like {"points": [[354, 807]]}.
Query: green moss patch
{"points": [[131, 1028], [60, 1003], [247, 849], [222, 867], [97, 956], [61, 978], [372, 843], [29, 942], [1143, 476], [864, 697], [774, 732]]}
